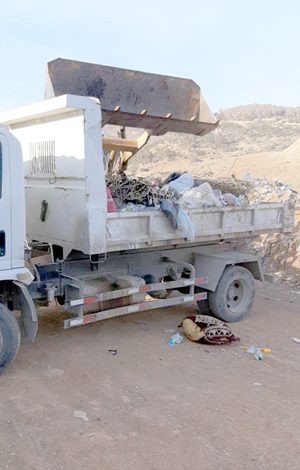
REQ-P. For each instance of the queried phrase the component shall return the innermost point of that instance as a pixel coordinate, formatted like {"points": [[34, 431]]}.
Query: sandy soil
{"points": [[153, 407], [260, 165], [283, 165]]}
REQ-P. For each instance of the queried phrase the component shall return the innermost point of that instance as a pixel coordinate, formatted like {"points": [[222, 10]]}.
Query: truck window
{"points": [[2, 234], [0, 170], [2, 243]]}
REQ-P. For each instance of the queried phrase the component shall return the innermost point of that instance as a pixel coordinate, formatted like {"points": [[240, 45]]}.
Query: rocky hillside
{"points": [[249, 139]]}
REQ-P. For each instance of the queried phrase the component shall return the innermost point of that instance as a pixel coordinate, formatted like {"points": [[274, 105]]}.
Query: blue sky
{"points": [[239, 52]]}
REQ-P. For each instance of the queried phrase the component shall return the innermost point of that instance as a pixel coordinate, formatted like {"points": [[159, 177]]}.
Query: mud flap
{"points": [[29, 321]]}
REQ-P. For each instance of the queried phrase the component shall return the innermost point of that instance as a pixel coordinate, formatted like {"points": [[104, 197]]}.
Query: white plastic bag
{"points": [[200, 196], [185, 225], [180, 185]]}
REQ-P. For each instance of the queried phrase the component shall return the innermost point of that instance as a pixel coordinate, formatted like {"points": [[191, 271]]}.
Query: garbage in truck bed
{"points": [[179, 189], [179, 193], [254, 190], [196, 192], [174, 196]]}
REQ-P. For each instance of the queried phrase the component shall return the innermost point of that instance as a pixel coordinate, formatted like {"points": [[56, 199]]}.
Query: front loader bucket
{"points": [[157, 103]]}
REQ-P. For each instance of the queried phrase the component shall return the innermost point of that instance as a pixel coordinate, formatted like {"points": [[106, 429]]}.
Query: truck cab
{"points": [[13, 274], [12, 208]]}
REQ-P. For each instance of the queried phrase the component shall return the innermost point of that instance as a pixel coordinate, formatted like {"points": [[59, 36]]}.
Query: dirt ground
{"points": [[151, 406]]}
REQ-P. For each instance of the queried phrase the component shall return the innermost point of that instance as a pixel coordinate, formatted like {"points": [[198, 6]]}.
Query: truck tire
{"points": [[234, 295], [10, 337]]}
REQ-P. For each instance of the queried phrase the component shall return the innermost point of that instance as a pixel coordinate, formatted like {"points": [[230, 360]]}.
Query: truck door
{"points": [[5, 205]]}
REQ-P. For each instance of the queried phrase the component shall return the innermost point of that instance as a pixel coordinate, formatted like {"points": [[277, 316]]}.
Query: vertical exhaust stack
{"points": [[157, 103]]}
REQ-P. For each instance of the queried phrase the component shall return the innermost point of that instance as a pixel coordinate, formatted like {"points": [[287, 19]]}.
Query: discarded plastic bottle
{"points": [[256, 351], [263, 350], [175, 339], [258, 355]]}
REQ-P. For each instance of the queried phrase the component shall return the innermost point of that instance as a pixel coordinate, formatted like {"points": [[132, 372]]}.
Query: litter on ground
{"points": [[81, 415], [296, 340], [264, 350], [113, 352], [175, 339], [257, 353]]}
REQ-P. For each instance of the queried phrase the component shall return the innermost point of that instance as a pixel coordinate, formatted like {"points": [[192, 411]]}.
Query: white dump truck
{"points": [[57, 238]]}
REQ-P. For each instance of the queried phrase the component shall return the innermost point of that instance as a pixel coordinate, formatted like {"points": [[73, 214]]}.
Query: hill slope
{"points": [[261, 140]]}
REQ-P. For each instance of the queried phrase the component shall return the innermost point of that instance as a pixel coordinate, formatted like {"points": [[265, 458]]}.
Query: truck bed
{"points": [[136, 230], [65, 189]]}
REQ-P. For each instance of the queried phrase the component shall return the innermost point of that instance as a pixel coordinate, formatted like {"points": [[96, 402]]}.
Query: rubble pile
{"points": [[254, 190], [262, 190], [126, 190], [134, 194], [226, 185], [280, 254]]}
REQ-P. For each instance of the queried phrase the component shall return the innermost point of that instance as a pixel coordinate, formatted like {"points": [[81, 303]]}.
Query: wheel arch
{"points": [[16, 296], [14, 291], [23, 300], [212, 265]]}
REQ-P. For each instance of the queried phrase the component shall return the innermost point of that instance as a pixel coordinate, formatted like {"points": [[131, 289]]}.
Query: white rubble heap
{"points": [[254, 190]]}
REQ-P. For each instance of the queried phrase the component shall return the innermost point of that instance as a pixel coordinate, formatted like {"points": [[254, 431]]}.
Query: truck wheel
{"points": [[10, 337], [234, 295]]}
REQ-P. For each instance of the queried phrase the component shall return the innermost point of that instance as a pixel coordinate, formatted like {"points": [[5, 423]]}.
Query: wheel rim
{"points": [[236, 297]]}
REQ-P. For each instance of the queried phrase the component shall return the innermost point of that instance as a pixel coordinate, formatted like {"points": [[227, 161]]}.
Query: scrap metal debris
{"points": [[126, 190]]}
